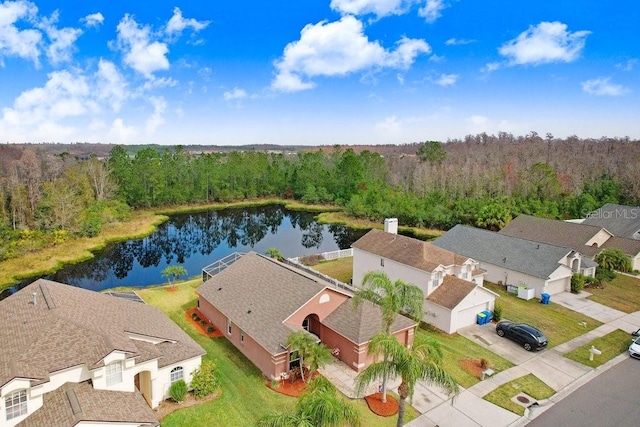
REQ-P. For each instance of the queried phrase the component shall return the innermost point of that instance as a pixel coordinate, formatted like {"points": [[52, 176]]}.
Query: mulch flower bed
{"points": [[198, 324], [374, 401], [472, 367], [288, 388], [168, 406]]}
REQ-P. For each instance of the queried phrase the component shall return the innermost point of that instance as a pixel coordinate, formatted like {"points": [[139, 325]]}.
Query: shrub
{"points": [[195, 317], [204, 380], [604, 275], [577, 283], [203, 322], [497, 312], [613, 259], [484, 363], [210, 329], [178, 391]]}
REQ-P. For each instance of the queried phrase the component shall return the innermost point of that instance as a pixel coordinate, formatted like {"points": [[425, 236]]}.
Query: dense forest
{"points": [[484, 180]]}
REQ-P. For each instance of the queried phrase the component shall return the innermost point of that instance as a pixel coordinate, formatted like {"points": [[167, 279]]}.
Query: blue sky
{"points": [[316, 72]]}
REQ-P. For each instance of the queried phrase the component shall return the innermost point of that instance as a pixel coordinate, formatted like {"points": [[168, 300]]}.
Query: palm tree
{"points": [[320, 406], [318, 356], [173, 272], [420, 362], [392, 297], [275, 253], [302, 342]]}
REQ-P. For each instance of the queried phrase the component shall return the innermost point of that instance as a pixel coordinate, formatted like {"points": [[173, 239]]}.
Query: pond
{"points": [[196, 240]]}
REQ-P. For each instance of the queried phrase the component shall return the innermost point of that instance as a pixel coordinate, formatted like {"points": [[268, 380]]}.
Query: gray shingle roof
{"points": [[621, 220], [71, 326], [407, 250], [258, 294], [451, 292], [569, 234], [73, 403], [553, 232], [361, 324], [516, 254]]}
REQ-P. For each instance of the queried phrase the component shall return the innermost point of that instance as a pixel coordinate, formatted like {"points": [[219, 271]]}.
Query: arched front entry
{"points": [[142, 380], [311, 323]]}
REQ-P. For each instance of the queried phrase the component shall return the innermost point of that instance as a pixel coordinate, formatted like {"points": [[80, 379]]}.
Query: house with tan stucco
{"points": [[75, 357], [258, 302]]}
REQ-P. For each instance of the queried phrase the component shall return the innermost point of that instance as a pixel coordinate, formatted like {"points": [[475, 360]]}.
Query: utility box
{"points": [[525, 293]]}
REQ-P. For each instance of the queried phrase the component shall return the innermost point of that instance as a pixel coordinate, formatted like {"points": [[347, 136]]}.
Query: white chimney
{"points": [[391, 225]]}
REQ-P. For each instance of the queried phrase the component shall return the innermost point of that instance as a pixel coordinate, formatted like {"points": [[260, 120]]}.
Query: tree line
{"points": [[481, 180]]}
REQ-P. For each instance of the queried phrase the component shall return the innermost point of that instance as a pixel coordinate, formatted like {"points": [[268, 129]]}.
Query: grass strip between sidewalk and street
{"points": [[611, 345], [529, 384]]}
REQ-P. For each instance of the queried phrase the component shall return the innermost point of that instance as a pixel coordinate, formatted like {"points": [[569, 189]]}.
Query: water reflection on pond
{"points": [[198, 239]]}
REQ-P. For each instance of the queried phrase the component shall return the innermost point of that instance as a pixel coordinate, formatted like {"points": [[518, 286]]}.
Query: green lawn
{"points": [[558, 323], [457, 348], [244, 396], [622, 293], [340, 269], [529, 384], [611, 345]]}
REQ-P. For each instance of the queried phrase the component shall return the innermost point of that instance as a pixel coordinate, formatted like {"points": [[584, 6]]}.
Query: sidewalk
{"points": [[560, 373]]}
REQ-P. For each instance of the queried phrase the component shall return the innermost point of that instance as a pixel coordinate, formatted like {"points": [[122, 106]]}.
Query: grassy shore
{"points": [[143, 223]]}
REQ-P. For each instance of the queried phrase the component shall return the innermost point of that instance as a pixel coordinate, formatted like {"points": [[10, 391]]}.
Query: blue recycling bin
{"points": [[488, 316], [481, 318], [545, 298]]}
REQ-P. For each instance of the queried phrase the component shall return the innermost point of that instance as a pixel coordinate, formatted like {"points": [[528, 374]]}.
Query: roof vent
{"points": [[220, 288], [35, 298], [249, 311]]}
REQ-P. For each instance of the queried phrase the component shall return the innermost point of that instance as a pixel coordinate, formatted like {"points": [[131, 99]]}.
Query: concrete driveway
{"points": [[485, 335]]}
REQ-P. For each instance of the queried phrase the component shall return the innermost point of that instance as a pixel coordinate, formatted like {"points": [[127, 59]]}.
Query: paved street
{"points": [[609, 400]]}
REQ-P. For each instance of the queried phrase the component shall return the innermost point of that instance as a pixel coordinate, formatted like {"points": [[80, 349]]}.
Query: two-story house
{"points": [[75, 357], [452, 283]]}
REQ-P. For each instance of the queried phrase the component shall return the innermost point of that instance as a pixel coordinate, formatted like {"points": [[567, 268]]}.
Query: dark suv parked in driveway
{"points": [[529, 337]]}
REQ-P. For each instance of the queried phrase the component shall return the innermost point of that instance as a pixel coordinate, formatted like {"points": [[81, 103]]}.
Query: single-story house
{"points": [[586, 238], [515, 261], [75, 357], [452, 283], [258, 302]]}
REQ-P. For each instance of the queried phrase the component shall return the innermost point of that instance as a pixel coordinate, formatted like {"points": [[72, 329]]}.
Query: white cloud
{"points": [[119, 133], [390, 125], [458, 42], [140, 52], [432, 10], [177, 24], [628, 65], [111, 86], [446, 80], [380, 8], [156, 119], [491, 67], [602, 86], [25, 43], [337, 49], [62, 40], [545, 43], [236, 93], [93, 21]]}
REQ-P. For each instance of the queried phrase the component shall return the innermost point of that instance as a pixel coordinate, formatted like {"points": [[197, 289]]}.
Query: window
{"points": [[177, 373], [114, 373], [435, 278], [16, 404], [229, 326]]}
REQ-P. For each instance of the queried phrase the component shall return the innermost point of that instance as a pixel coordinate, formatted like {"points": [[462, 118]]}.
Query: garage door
{"points": [[557, 286], [468, 316]]}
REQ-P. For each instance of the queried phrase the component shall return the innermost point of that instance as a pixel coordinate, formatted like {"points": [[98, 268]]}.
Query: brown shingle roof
{"points": [[72, 403], [451, 292], [361, 324], [70, 326], [407, 250], [258, 294]]}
